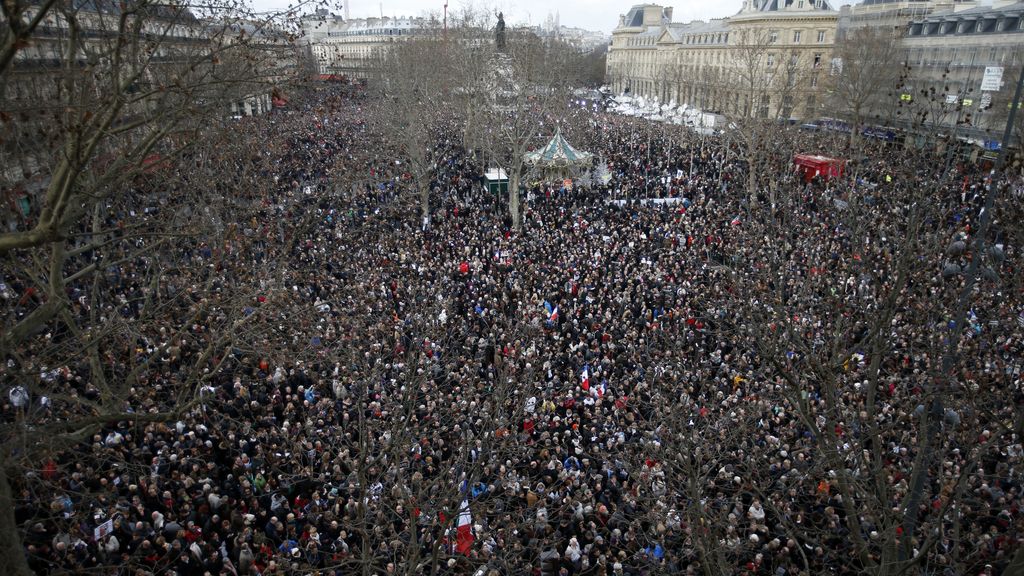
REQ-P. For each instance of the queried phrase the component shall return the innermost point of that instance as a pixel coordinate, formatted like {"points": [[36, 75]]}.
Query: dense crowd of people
{"points": [[721, 383]]}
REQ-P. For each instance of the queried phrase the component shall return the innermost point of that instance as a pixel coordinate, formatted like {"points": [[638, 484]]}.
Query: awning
{"points": [[557, 152]]}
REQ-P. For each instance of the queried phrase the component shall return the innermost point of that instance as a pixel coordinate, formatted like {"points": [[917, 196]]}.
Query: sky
{"points": [[601, 15]]}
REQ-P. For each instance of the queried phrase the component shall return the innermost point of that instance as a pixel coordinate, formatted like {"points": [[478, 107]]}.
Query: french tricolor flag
{"points": [[464, 531], [585, 378], [552, 312]]}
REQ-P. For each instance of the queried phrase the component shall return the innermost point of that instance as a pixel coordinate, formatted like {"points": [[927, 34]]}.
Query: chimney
{"points": [[668, 13], [347, 2]]}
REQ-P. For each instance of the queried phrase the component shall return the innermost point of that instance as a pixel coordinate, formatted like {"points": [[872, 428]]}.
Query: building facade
{"points": [[32, 88], [947, 54], [353, 48], [633, 58], [768, 60], [780, 52], [893, 15]]}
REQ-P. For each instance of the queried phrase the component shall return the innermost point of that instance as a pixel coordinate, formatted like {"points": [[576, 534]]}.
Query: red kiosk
{"points": [[811, 165]]}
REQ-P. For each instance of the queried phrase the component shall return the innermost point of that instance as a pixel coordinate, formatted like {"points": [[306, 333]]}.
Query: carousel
{"points": [[558, 160]]}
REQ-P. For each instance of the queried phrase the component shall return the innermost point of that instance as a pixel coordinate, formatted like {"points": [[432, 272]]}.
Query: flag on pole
{"points": [[464, 531], [585, 378]]}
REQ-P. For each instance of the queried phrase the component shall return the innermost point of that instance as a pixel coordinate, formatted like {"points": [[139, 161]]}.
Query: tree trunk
{"points": [[752, 181], [425, 204], [854, 130], [513, 200], [12, 554]]}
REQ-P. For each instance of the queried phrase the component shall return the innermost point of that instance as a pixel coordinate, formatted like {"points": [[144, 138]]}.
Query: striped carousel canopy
{"points": [[557, 153]]}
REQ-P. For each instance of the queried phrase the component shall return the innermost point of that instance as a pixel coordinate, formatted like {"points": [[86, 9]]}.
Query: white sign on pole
{"points": [[993, 79], [986, 101], [951, 98]]}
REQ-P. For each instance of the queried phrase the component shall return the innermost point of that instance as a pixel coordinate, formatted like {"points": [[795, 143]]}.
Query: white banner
{"points": [[992, 81]]}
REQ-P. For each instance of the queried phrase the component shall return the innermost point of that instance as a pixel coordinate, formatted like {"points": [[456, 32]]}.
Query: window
{"points": [[814, 81], [980, 27], [817, 60], [796, 37], [821, 36], [771, 60], [800, 4], [773, 36]]}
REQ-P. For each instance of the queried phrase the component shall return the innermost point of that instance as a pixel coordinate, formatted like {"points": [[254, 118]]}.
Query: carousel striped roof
{"points": [[557, 152]]}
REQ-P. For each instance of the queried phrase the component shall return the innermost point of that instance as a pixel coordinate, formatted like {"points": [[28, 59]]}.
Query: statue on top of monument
{"points": [[499, 33]]}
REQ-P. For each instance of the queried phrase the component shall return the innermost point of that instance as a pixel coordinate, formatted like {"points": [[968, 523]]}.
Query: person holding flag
{"points": [[552, 312], [464, 529]]}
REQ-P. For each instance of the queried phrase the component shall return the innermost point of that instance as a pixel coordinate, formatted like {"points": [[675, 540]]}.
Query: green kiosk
{"points": [[496, 181]]}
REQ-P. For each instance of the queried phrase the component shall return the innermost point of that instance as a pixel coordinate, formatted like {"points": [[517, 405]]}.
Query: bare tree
{"points": [[416, 104], [101, 105], [532, 83], [473, 73], [755, 69], [834, 340], [865, 71]]}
